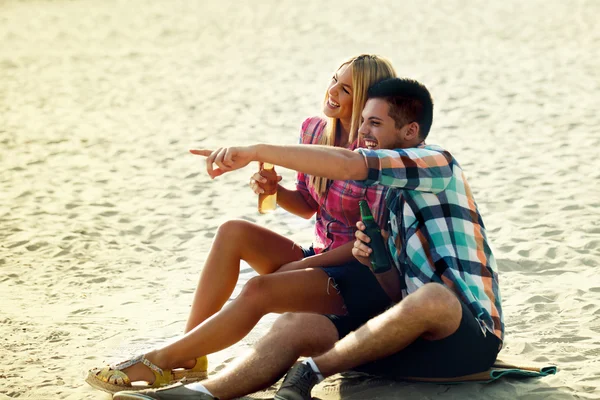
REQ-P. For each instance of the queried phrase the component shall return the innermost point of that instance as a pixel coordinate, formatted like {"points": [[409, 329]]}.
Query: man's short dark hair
{"points": [[409, 101]]}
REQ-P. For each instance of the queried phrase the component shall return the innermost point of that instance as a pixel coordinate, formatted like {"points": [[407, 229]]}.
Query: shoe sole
{"points": [[277, 397], [111, 388], [131, 396]]}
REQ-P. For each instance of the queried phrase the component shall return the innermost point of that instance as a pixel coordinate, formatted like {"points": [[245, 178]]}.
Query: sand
{"points": [[105, 219]]}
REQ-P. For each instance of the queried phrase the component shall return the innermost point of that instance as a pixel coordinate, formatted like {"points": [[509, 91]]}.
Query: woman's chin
{"points": [[329, 112]]}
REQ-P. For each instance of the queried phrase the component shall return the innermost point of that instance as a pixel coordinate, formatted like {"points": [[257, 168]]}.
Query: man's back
{"points": [[437, 234]]}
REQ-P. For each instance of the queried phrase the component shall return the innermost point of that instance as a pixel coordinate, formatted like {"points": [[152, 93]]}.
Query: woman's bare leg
{"points": [[236, 240], [307, 290]]}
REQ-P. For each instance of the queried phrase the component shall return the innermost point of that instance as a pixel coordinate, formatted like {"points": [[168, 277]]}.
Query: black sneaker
{"points": [[297, 384]]}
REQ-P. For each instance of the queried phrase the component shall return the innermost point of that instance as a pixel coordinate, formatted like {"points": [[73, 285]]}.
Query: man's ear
{"points": [[412, 131]]}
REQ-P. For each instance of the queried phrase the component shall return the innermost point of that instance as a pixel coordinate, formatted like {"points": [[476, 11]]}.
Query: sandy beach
{"points": [[106, 219]]}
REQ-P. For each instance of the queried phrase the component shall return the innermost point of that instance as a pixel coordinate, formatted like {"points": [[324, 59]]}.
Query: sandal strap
{"points": [[152, 366], [135, 360]]}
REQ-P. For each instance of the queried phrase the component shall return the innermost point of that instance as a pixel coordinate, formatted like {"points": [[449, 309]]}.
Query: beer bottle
{"points": [[267, 201], [379, 258]]}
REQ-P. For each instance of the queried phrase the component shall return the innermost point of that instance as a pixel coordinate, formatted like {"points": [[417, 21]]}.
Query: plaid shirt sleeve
{"points": [[426, 169]]}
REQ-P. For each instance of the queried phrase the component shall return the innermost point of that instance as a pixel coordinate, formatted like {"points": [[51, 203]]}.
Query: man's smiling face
{"points": [[378, 130]]}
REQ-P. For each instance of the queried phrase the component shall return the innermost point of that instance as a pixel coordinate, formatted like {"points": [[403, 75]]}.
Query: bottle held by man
{"points": [[267, 201], [380, 262]]}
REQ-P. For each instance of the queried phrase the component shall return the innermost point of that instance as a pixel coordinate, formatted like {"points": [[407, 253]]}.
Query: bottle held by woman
{"points": [[267, 201]]}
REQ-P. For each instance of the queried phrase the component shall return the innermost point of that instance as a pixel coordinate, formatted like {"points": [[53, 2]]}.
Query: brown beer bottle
{"points": [[267, 201]]}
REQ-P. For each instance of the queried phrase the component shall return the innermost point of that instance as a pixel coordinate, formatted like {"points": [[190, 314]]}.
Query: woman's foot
{"points": [[140, 372], [114, 378], [148, 368]]}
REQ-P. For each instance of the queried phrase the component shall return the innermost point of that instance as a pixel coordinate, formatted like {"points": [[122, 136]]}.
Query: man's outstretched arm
{"points": [[326, 161]]}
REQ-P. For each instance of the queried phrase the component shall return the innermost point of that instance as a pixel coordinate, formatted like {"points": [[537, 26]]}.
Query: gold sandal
{"points": [[198, 373], [112, 379]]}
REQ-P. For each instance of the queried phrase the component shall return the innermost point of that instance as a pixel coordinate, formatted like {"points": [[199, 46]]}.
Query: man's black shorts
{"points": [[466, 351]]}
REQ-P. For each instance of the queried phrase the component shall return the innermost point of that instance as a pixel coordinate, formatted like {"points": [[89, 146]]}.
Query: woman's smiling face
{"points": [[339, 96]]}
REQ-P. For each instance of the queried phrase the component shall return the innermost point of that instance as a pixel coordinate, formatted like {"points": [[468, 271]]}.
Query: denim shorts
{"points": [[308, 252], [363, 296]]}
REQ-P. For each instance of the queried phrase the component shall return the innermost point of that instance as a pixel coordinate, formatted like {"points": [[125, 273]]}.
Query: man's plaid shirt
{"points": [[437, 234]]}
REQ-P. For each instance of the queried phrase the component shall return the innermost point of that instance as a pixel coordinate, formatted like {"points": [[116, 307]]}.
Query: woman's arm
{"points": [[293, 201], [338, 256], [299, 201]]}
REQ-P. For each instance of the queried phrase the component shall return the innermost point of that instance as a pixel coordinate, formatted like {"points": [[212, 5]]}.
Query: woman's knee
{"points": [[233, 229], [235, 236], [255, 294]]}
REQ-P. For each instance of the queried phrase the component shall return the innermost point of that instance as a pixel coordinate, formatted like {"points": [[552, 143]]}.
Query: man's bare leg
{"points": [[292, 336], [432, 312]]}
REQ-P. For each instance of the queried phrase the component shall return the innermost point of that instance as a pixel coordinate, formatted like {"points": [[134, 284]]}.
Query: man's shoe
{"points": [[297, 384], [174, 392]]}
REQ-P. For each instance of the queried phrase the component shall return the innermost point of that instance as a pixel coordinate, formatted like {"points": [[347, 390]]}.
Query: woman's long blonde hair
{"points": [[367, 69]]}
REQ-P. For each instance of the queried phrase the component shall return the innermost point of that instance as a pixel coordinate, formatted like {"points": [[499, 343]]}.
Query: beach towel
{"points": [[504, 366], [355, 385]]}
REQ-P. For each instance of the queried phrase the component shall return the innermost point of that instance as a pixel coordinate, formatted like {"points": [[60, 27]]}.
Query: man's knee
{"points": [[431, 304], [438, 308], [283, 333], [436, 296], [308, 334], [288, 323]]}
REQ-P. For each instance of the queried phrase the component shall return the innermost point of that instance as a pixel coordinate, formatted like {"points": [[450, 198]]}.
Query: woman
{"points": [[297, 286]]}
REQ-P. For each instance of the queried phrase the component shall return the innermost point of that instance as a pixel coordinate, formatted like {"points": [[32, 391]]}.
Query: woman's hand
{"points": [[258, 182], [361, 251]]}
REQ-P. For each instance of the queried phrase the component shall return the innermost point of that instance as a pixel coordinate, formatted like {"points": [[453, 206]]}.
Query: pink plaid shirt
{"points": [[337, 210]]}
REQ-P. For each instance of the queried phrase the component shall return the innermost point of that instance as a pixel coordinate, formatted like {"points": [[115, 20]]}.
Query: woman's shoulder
{"points": [[312, 129]]}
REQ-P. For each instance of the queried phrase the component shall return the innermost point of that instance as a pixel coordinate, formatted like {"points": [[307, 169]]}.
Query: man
{"points": [[449, 321]]}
